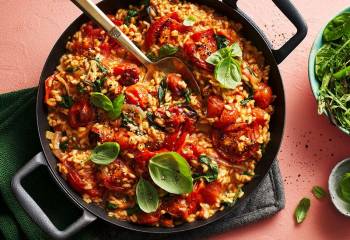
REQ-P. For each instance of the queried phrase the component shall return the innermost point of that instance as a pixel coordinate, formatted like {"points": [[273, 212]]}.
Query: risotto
{"points": [[152, 151]]}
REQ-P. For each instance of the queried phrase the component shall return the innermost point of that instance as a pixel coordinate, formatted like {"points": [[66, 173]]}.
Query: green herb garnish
{"points": [[319, 192], [189, 21], [227, 65], [133, 210], [131, 13], [117, 103], [113, 109], [301, 210], [221, 41], [111, 206], [150, 118], [163, 86], [187, 95], [81, 88], [70, 69], [105, 153], [67, 101], [247, 100], [167, 50], [98, 84], [212, 172], [63, 146], [171, 172], [147, 196]]}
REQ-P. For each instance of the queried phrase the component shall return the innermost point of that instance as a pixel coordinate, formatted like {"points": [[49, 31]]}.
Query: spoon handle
{"points": [[88, 7]]}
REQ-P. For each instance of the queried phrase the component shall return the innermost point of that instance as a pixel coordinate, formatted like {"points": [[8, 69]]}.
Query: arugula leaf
{"points": [[319, 192], [212, 172], [301, 210], [221, 41], [67, 101], [189, 21]]}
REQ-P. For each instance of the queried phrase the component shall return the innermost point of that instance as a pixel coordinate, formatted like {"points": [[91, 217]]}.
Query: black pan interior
{"points": [[276, 126]]}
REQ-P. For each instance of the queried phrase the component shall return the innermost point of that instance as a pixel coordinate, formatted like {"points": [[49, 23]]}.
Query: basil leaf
{"points": [[147, 196], [212, 172], [247, 100], [189, 21], [111, 206], [105, 153], [344, 188], [98, 84], [187, 95], [217, 56], [319, 192], [228, 73], [152, 57], [67, 101], [235, 50], [101, 101], [131, 13], [171, 172], [163, 86], [167, 50], [301, 210], [117, 103], [221, 41]]}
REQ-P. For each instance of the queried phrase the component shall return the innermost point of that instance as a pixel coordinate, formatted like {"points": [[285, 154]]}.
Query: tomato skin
{"points": [[203, 44], [129, 73], [81, 114], [259, 115], [136, 95], [215, 106], [122, 138], [210, 192], [75, 181], [170, 22], [227, 117], [148, 218], [173, 81], [263, 95]]}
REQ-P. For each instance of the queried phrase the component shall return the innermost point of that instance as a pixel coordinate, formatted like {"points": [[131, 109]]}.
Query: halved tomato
{"points": [[81, 114], [227, 117], [129, 73], [263, 95], [136, 95], [215, 106], [199, 47]]}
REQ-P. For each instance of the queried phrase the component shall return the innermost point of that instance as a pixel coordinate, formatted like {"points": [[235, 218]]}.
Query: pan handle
{"points": [[293, 15], [34, 210]]}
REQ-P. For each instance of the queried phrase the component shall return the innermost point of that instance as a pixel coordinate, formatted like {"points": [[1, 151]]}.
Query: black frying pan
{"points": [[90, 211]]}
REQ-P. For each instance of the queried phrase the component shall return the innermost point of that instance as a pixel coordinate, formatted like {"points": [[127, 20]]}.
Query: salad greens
{"points": [[227, 63], [344, 187], [332, 68]]}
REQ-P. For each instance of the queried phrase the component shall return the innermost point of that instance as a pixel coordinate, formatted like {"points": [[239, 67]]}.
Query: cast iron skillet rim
{"points": [[140, 228]]}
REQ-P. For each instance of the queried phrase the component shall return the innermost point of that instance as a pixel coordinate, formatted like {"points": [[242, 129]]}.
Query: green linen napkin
{"points": [[19, 142]]}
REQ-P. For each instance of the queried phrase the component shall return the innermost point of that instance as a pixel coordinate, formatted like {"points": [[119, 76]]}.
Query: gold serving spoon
{"points": [[166, 65]]}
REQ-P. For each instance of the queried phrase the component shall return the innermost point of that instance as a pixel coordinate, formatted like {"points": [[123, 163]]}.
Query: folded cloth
{"points": [[19, 142]]}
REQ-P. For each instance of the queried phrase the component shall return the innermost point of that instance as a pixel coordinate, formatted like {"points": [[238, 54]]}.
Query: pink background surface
{"points": [[311, 146]]}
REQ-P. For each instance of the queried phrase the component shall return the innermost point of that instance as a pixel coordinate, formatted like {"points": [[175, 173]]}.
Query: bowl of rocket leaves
{"points": [[329, 70]]}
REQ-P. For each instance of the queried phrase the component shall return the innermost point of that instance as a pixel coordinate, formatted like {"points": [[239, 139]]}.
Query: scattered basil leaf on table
{"points": [[101, 101], [147, 196], [301, 210], [117, 103], [189, 21], [105, 153], [344, 187], [162, 91], [171, 172], [212, 172], [67, 101], [319, 192], [221, 41]]}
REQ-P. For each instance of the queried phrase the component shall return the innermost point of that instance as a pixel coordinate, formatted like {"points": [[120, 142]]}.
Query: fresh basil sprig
{"points": [[212, 173], [301, 210], [147, 196], [189, 21], [227, 63], [171, 172], [105, 153], [114, 108], [319, 192]]}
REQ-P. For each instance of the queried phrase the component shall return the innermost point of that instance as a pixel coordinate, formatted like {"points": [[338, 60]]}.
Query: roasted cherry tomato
{"points": [[160, 30], [136, 95], [81, 114], [48, 89], [148, 218], [175, 83], [129, 73], [210, 192], [215, 106], [263, 95], [75, 181], [227, 117], [199, 47], [259, 115], [122, 138]]}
